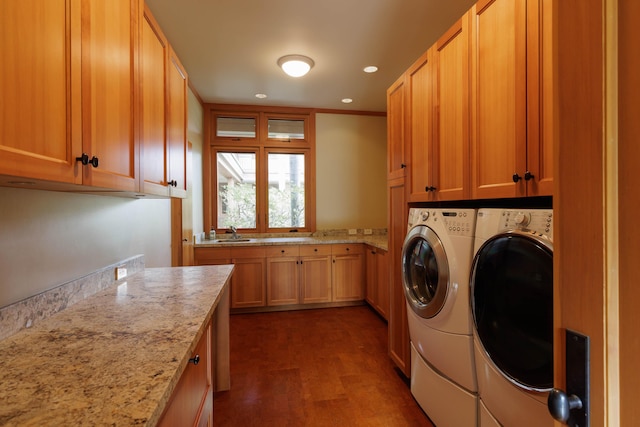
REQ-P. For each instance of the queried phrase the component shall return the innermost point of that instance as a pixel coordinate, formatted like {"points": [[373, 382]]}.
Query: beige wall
{"points": [[49, 238], [351, 171]]}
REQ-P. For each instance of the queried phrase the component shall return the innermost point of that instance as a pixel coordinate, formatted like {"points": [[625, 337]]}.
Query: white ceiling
{"points": [[230, 47]]}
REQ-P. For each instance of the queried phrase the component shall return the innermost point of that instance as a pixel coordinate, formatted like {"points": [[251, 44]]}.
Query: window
{"points": [[286, 196], [262, 172], [236, 199]]}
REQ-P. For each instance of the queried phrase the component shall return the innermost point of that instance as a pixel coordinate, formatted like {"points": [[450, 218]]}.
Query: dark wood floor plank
{"points": [[326, 367]]}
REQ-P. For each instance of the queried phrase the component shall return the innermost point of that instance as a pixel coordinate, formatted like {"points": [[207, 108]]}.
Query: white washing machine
{"points": [[512, 309], [436, 261]]}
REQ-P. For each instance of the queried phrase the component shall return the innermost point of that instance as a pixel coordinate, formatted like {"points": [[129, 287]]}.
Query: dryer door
{"points": [[512, 306], [425, 271]]}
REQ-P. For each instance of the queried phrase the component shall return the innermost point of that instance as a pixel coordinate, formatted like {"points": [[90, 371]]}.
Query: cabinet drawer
{"points": [[315, 250], [205, 256], [347, 249], [193, 389], [248, 252], [282, 251]]}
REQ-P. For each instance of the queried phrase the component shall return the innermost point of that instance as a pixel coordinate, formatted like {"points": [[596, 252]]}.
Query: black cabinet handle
{"points": [[430, 188], [528, 176], [402, 166], [173, 183], [84, 159], [195, 360], [516, 177]]}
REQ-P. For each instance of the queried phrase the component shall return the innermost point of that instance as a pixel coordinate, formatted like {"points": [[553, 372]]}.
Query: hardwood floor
{"points": [[326, 367]]}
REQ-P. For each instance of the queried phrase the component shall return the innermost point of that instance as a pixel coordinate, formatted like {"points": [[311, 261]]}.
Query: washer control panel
{"points": [[539, 221], [459, 222]]}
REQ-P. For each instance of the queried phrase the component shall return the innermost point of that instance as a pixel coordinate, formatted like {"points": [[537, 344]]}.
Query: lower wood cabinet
{"points": [[377, 280], [289, 275], [192, 401], [315, 274], [348, 272], [248, 280]]}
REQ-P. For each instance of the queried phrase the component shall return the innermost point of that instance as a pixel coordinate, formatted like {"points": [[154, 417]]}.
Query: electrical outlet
{"points": [[353, 231], [368, 231], [121, 273]]}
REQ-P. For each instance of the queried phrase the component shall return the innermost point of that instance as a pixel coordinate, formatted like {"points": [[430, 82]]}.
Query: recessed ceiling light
{"points": [[261, 95], [295, 65], [370, 69], [347, 100]]}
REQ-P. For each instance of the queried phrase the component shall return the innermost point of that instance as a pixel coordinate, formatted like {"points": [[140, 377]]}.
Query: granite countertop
{"points": [[113, 358], [376, 240]]}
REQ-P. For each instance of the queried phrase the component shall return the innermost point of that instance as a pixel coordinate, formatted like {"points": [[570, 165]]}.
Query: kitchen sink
{"points": [[231, 240]]}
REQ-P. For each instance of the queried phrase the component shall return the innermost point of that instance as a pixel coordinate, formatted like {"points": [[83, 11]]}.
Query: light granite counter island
{"points": [[114, 358]]}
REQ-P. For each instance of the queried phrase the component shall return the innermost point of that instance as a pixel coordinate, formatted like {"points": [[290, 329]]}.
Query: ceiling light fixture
{"points": [[370, 69], [295, 65], [261, 95], [347, 100]]}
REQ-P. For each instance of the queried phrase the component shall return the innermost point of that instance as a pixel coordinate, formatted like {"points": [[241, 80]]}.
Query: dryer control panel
{"points": [[539, 221]]}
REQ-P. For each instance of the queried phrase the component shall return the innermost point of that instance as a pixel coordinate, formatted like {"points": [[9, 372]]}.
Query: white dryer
{"points": [[512, 309], [436, 261]]}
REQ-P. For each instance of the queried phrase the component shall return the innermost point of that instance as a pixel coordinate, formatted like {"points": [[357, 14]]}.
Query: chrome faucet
{"points": [[234, 231]]}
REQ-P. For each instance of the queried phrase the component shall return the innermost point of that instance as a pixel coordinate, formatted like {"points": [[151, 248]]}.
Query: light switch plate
{"points": [[368, 231], [353, 231]]}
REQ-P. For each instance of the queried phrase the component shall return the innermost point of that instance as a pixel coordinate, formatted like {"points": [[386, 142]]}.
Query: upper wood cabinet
{"points": [[80, 89], [450, 175], [177, 126], [396, 122], [419, 113], [511, 134], [109, 93], [154, 54], [438, 115], [164, 114], [40, 136], [69, 87]]}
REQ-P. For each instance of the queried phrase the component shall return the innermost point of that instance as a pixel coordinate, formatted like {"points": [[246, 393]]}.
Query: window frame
{"points": [[262, 145]]}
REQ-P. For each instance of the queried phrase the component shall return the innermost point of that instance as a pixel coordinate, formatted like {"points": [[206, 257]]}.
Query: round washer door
{"points": [[512, 305], [425, 271]]}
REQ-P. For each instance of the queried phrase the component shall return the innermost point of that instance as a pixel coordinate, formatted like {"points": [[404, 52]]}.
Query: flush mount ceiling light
{"points": [[370, 69], [295, 65]]}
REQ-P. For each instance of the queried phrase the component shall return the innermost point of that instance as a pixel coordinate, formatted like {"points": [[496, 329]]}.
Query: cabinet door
{"points": [[315, 279], [396, 162], [420, 139], [398, 326], [177, 126], [282, 281], [154, 53], [499, 98], [540, 93], [248, 281], [348, 273], [40, 116], [109, 92], [451, 140], [382, 283], [371, 290]]}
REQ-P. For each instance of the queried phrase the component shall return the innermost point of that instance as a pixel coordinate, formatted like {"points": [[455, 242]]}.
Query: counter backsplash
{"points": [[26, 313]]}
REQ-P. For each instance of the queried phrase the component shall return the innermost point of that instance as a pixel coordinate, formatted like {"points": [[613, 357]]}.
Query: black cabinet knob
{"points": [[516, 177], [84, 159], [402, 166], [173, 183], [430, 188], [195, 360], [528, 176]]}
